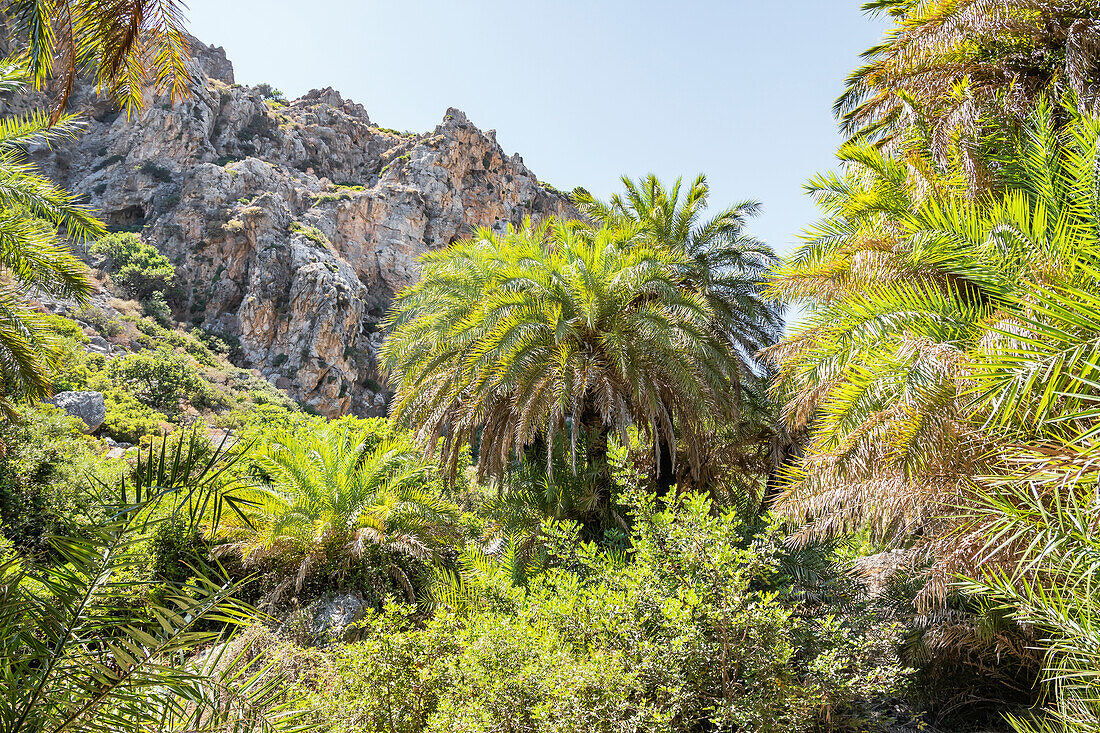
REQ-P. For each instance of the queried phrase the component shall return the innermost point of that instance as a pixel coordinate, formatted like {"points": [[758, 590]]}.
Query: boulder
{"points": [[88, 406], [334, 618]]}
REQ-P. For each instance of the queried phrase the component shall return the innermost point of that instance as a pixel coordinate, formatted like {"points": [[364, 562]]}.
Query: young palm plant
{"points": [[333, 493]]}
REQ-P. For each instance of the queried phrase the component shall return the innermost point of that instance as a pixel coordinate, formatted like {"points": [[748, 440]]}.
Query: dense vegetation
{"points": [[611, 492]]}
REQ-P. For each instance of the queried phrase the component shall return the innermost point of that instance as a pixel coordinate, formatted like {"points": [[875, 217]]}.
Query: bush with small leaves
{"points": [[44, 469], [160, 379], [134, 265], [156, 307], [129, 420]]}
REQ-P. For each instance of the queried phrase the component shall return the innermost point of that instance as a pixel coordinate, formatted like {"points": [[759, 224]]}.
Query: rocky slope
{"points": [[292, 224]]}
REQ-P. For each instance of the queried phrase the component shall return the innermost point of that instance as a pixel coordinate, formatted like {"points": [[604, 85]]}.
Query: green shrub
{"points": [[177, 550], [66, 328], [44, 469], [98, 320], [136, 266], [158, 173], [313, 234], [680, 633], [75, 367], [215, 342], [129, 420], [156, 307], [160, 379], [270, 93], [514, 675]]}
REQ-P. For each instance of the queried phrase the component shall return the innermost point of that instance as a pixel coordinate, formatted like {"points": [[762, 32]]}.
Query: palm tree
{"points": [[923, 304], [127, 47], [336, 491], [33, 253], [553, 330], [723, 264], [949, 70]]}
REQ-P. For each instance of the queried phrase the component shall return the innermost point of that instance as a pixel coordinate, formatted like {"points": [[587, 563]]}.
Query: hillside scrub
{"points": [[688, 628]]}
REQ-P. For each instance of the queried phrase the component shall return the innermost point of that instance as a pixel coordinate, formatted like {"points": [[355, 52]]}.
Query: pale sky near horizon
{"points": [[584, 91]]}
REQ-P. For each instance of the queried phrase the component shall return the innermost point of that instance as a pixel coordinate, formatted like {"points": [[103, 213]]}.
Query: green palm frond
{"points": [[950, 73], [127, 47], [38, 222], [940, 327]]}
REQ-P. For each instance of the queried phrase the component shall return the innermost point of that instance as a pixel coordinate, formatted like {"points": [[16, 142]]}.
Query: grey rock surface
{"points": [[291, 224], [334, 618], [88, 406]]}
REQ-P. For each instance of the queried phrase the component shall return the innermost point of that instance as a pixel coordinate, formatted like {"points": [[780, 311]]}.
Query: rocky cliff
{"points": [[292, 224]]}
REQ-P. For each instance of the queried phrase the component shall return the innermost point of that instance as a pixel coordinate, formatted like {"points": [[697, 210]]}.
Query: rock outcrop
{"points": [[88, 406], [291, 224]]}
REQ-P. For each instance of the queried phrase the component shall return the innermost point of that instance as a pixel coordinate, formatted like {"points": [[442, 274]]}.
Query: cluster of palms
{"points": [[562, 333], [945, 377]]}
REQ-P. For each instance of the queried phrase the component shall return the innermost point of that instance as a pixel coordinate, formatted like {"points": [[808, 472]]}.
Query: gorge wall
{"points": [[291, 224]]}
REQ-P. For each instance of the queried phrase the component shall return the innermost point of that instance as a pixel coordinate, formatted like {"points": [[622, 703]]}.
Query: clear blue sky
{"points": [[584, 91]]}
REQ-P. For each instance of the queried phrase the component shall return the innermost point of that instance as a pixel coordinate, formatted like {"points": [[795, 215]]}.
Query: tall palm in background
{"points": [[35, 216], [721, 263], [336, 492], [551, 330]]}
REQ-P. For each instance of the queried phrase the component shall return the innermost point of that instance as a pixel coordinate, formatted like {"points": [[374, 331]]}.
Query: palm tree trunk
{"points": [[596, 434], [666, 469]]}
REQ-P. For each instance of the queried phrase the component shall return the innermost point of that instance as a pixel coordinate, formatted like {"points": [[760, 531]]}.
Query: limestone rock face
{"points": [[291, 224], [88, 406]]}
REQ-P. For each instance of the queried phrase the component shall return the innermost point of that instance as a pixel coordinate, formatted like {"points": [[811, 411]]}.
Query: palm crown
{"points": [[340, 489], [555, 328], [726, 266]]}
